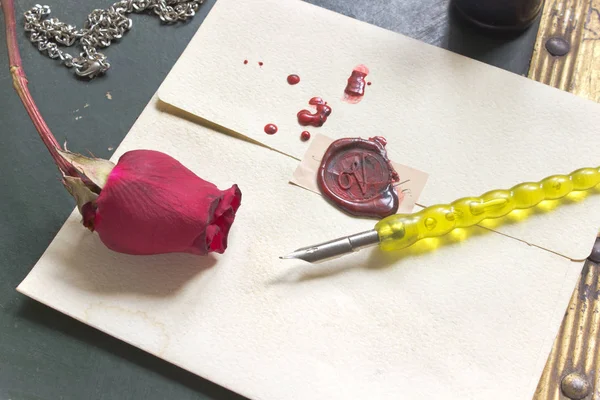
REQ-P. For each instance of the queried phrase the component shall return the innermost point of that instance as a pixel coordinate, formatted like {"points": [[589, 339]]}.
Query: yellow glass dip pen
{"points": [[399, 231]]}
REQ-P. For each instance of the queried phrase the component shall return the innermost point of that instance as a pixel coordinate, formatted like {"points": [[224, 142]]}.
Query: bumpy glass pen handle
{"points": [[402, 230]]}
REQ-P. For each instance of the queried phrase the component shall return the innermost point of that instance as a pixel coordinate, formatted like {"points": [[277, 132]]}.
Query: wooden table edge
{"points": [[572, 369]]}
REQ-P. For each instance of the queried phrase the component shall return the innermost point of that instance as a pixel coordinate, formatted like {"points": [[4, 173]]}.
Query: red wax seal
{"points": [[357, 176]]}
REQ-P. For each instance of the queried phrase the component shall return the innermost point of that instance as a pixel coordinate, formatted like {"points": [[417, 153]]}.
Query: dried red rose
{"points": [[149, 203]]}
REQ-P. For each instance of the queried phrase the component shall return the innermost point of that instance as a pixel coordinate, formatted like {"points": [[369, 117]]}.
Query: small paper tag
{"points": [[410, 186]]}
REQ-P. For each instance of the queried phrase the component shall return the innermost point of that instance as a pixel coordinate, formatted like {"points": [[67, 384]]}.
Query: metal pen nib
{"points": [[335, 248]]}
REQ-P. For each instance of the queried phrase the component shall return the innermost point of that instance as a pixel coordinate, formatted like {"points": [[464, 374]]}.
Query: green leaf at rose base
{"points": [[85, 188], [96, 170], [80, 191]]}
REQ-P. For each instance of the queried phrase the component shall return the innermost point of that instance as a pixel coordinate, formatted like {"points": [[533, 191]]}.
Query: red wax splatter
{"points": [[293, 79], [245, 61], [380, 139], [305, 117], [305, 135], [369, 83], [260, 63], [355, 88], [356, 175], [270, 129]]}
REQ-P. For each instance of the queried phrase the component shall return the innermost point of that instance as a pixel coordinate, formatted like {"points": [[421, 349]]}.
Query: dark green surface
{"points": [[44, 354]]}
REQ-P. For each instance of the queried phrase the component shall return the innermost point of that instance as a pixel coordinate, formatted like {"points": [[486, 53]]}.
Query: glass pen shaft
{"points": [[403, 230]]}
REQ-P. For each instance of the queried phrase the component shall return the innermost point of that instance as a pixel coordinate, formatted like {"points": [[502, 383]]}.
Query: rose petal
{"points": [[152, 204], [223, 217]]}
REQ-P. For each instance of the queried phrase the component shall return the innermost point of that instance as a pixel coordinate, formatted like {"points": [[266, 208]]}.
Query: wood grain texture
{"points": [[578, 22], [575, 349], [573, 367]]}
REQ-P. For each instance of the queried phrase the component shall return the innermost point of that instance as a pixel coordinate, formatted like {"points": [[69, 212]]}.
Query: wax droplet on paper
{"points": [[245, 61], [369, 83], [304, 136], [293, 79], [260, 63], [108, 95], [270, 129], [355, 88], [318, 118]]}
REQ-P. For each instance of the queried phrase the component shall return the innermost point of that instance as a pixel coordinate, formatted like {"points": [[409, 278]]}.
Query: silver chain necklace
{"points": [[100, 29]]}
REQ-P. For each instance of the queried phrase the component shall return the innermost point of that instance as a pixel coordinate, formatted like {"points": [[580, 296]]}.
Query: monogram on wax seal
{"points": [[357, 176]]}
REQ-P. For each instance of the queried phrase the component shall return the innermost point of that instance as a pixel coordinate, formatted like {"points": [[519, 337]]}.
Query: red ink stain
{"points": [[245, 61], [260, 63], [293, 79], [305, 117], [355, 88], [305, 135], [270, 129], [356, 175], [369, 83]]}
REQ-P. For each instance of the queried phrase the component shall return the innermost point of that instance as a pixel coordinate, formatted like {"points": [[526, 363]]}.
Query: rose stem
{"points": [[20, 84]]}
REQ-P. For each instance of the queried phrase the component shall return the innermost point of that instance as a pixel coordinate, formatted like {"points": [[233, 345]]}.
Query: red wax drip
{"points": [[260, 63], [245, 61], [315, 101], [356, 84], [305, 135], [270, 129], [293, 79], [379, 139], [369, 83], [305, 117], [355, 88]]}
